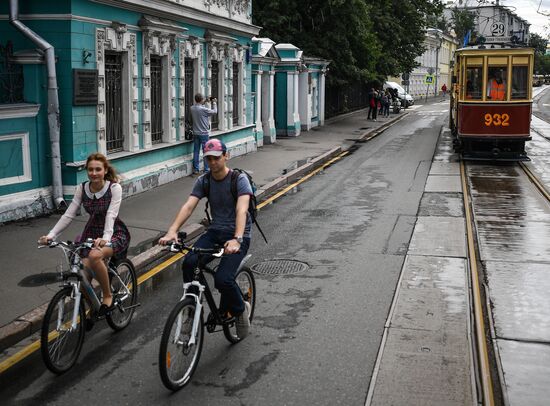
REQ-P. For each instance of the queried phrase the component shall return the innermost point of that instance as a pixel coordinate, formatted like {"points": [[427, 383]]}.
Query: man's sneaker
{"points": [[243, 322]]}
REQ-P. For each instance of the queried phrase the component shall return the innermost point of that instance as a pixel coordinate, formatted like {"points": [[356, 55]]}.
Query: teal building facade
{"points": [[289, 89], [126, 74]]}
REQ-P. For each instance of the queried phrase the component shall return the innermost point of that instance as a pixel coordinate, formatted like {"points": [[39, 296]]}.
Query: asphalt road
{"points": [[541, 108], [316, 333]]}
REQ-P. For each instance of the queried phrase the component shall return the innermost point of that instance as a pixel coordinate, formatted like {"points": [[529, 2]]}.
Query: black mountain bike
{"points": [[182, 338]]}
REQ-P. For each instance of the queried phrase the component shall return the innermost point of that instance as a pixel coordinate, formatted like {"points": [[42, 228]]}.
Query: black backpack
{"points": [[252, 205]]}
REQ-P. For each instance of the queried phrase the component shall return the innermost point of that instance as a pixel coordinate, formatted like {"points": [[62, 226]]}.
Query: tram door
{"points": [[113, 102]]}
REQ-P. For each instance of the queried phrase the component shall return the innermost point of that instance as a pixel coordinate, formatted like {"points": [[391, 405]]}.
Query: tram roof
{"points": [[496, 48]]}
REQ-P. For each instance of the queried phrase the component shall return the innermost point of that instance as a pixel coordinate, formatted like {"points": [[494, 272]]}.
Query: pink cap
{"points": [[214, 147]]}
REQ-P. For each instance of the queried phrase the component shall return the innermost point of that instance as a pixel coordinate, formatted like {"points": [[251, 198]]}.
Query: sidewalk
{"points": [[29, 275]]}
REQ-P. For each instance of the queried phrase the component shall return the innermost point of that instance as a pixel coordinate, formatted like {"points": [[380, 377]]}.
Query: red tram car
{"points": [[491, 102]]}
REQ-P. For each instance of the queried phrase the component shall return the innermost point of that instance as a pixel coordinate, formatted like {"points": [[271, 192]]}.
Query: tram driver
{"points": [[496, 86]]}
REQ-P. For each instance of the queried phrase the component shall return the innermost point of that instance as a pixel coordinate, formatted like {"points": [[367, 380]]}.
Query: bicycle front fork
{"points": [[198, 310]]}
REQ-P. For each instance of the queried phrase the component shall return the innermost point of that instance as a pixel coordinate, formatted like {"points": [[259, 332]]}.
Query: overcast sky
{"points": [[527, 9]]}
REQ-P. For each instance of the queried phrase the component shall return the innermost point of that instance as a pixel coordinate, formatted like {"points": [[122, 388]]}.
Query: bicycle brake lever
{"points": [[218, 254]]}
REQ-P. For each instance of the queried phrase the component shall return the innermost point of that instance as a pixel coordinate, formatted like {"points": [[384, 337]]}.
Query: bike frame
{"points": [[76, 271], [202, 285]]}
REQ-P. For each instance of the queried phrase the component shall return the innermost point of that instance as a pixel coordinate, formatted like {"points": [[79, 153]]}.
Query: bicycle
{"points": [[66, 317], [183, 334]]}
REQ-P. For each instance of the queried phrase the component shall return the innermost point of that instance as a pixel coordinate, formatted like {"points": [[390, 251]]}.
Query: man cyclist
{"points": [[230, 227]]}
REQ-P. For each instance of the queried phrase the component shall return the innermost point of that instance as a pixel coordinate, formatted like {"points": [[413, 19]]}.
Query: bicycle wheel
{"points": [[124, 289], [177, 358], [59, 344], [247, 285]]}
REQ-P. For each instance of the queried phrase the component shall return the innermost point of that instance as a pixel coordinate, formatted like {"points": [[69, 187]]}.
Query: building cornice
{"points": [[19, 110], [178, 12]]}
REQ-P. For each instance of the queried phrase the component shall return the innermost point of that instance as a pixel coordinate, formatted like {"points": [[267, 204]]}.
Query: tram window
{"points": [[474, 80], [496, 83], [519, 82]]}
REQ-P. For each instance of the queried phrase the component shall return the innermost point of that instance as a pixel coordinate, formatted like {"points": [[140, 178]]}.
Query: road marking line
{"points": [[31, 348], [160, 267], [306, 177], [483, 355]]}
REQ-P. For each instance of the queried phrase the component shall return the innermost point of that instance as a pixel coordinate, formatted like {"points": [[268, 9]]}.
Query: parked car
{"points": [[406, 99]]}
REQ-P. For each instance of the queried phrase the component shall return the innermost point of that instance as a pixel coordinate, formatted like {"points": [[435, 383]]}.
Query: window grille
{"points": [[156, 99], [113, 102], [11, 77], [214, 91], [189, 90], [235, 93]]}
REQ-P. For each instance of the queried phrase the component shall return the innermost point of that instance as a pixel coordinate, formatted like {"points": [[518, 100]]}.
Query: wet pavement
{"points": [[425, 356], [512, 219]]}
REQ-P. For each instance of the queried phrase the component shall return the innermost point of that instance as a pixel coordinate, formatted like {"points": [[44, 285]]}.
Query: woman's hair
{"points": [[110, 171]]}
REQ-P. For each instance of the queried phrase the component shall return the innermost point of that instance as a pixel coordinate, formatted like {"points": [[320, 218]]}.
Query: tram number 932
{"points": [[497, 120]]}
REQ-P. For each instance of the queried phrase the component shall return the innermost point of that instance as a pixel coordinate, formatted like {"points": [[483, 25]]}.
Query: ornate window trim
{"points": [[117, 38], [238, 56], [160, 37], [26, 155]]}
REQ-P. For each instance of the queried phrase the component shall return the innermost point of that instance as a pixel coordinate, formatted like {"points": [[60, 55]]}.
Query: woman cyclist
{"points": [[101, 197]]}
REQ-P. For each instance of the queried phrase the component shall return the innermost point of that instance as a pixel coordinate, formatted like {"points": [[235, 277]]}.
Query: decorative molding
{"points": [[193, 12], [117, 38], [159, 38], [232, 6], [19, 110], [26, 158]]}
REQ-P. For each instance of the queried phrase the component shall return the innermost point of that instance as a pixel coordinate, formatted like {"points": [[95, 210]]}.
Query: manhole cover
{"points": [[280, 267]]}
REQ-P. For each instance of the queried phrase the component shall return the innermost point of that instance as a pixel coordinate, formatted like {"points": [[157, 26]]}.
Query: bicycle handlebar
{"points": [[175, 246], [69, 245]]}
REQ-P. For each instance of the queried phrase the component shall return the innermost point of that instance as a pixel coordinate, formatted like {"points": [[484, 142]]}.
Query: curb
{"points": [[31, 322]]}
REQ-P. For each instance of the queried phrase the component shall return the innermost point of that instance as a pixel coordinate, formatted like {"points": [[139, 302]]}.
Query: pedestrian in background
{"points": [[444, 90], [386, 100], [373, 102], [200, 114], [101, 196]]}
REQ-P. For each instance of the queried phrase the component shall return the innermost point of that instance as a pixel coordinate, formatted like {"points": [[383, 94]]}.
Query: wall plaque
{"points": [[85, 87]]}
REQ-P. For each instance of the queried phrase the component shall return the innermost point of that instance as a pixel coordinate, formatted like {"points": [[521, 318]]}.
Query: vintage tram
{"points": [[490, 112]]}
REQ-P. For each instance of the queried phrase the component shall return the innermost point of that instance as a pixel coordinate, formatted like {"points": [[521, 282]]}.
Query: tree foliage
{"points": [[538, 43], [542, 61], [366, 40], [462, 21]]}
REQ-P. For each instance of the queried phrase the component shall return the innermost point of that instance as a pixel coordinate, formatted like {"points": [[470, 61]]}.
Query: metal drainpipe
{"points": [[53, 101]]}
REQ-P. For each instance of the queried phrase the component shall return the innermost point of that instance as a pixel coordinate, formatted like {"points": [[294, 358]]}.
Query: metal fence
{"points": [[343, 99]]}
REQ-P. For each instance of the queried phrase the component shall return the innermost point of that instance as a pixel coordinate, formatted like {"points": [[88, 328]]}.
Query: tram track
{"points": [[489, 365], [479, 309], [533, 178]]}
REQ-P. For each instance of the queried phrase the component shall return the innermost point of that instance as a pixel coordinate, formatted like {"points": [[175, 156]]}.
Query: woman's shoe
{"points": [[104, 309]]}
